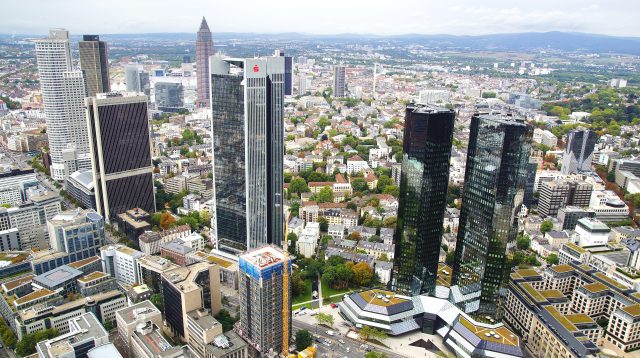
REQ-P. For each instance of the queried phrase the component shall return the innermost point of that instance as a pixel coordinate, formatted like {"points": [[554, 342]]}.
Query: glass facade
{"points": [[423, 198], [248, 151], [495, 177], [579, 151], [94, 62]]}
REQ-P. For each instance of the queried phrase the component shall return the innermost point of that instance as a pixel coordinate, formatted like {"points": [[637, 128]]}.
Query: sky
{"points": [[381, 17]]}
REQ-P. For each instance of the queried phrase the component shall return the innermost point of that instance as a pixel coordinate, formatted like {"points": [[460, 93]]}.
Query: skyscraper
{"points": [[288, 72], [94, 62], [169, 96], [494, 185], [248, 151], [339, 81], [121, 153], [63, 92], [262, 299], [579, 151], [423, 198], [136, 79], [204, 49]]}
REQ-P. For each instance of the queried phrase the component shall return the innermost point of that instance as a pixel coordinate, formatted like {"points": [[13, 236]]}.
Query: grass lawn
{"points": [[295, 307], [328, 291], [305, 296]]}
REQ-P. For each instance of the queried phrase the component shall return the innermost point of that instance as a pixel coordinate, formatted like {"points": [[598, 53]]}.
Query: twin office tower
{"points": [[498, 153]]}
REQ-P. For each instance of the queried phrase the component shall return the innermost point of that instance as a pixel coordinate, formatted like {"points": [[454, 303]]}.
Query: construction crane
{"points": [[285, 302]]}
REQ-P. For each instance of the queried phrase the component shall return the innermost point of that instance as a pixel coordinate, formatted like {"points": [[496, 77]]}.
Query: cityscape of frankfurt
{"points": [[380, 179]]}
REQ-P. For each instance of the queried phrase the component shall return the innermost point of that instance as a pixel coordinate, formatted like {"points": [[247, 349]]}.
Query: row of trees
{"points": [[27, 345]]}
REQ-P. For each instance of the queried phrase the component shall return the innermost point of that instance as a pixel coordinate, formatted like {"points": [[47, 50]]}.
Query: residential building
{"points": [[262, 301], [79, 233], [63, 91], [248, 147], [308, 241], [356, 164], [495, 177], [578, 153], [119, 128], [339, 82], [423, 199], [545, 137], [176, 252], [204, 50], [94, 62]]}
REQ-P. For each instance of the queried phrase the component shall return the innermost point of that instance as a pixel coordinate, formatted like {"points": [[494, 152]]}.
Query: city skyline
{"points": [[462, 18]]}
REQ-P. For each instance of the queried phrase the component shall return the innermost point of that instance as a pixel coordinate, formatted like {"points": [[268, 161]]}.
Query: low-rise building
{"points": [[85, 334]]}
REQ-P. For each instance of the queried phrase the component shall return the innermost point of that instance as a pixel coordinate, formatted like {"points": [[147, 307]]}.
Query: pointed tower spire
{"points": [[203, 25], [204, 49]]}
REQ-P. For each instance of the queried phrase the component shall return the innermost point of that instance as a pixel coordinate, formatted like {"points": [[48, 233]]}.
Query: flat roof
{"points": [[595, 287], [562, 268], [10, 285], [264, 257], [33, 296], [504, 335], [610, 281], [58, 276], [372, 297], [84, 262], [633, 310], [92, 276]]}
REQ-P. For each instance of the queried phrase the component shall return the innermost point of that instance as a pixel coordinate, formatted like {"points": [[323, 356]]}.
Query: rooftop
{"points": [[501, 335], [381, 298], [264, 257], [562, 268], [595, 287], [58, 276], [92, 276], [33, 296], [82, 263], [633, 310], [10, 285]]}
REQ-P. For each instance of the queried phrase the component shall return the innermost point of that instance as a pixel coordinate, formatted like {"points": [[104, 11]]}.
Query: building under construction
{"points": [[265, 303]]}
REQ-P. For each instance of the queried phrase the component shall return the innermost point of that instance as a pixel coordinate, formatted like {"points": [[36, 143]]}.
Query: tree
{"points": [[390, 221], [298, 286], [523, 241], [450, 257], [325, 240], [325, 318], [226, 319], [294, 209], [292, 238], [553, 259], [27, 345], [157, 301], [315, 267], [167, 221], [324, 224], [325, 195], [303, 339], [391, 190], [384, 257], [359, 184], [362, 274], [546, 226], [383, 182], [298, 185], [193, 223], [367, 333]]}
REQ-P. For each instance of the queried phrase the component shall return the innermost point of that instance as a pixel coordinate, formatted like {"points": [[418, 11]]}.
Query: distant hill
{"points": [[567, 41]]}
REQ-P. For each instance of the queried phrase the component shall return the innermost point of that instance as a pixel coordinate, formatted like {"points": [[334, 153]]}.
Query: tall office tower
{"points": [[79, 233], [262, 299], [63, 92], [579, 151], [532, 169], [204, 50], [339, 81], [136, 79], [288, 72], [94, 62], [428, 137], [494, 185], [248, 151], [169, 96], [120, 153]]}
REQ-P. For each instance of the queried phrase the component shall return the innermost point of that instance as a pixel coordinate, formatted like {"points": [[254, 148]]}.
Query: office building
{"points": [[579, 151], [30, 219], [79, 233], [120, 262], [85, 333], [532, 169], [262, 301], [127, 319], [63, 92], [204, 50], [339, 81], [133, 223], [190, 288], [120, 154], [95, 283], [13, 183], [496, 172], [150, 241], [288, 72], [427, 144], [560, 193], [61, 280], [137, 79], [94, 62], [247, 151], [569, 216], [169, 96], [80, 185]]}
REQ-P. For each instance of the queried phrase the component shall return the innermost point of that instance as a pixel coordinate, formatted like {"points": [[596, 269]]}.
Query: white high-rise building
{"points": [[63, 91]]}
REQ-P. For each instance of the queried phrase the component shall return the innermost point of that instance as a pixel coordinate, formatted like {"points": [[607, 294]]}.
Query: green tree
{"points": [[367, 333], [523, 241], [303, 339], [27, 345], [325, 195], [546, 226], [226, 319], [193, 223], [157, 301], [450, 257], [292, 238], [553, 259], [383, 182], [325, 318], [362, 274], [323, 122], [324, 224], [391, 190], [298, 185], [359, 184]]}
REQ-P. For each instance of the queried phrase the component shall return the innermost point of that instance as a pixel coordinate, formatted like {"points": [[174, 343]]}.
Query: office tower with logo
{"points": [[120, 153], [94, 62], [63, 91], [494, 185], [204, 50], [427, 143], [248, 128]]}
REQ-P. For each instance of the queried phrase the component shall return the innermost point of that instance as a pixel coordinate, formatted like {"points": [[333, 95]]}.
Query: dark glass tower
{"points": [[120, 153], [94, 62], [248, 149], [423, 198], [494, 186]]}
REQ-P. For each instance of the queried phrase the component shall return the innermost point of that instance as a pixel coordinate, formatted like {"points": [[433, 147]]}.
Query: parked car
{"points": [[330, 332]]}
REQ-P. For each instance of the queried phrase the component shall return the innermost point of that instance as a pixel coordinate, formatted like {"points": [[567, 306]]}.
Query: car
{"points": [[341, 341], [333, 305], [317, 340], [330, 332], [348, 349], [302, 313], [326, 343], [303, 308]]}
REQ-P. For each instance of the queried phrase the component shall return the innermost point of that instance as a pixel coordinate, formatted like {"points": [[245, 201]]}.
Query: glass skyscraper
{"points": [[94, 61], [247, 102], [494, 186], [579, 151], [423, 198]]}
